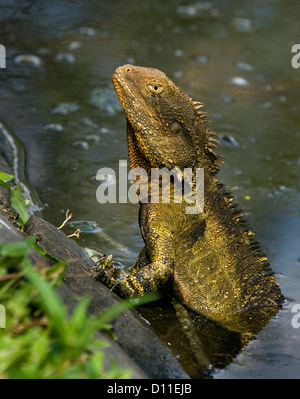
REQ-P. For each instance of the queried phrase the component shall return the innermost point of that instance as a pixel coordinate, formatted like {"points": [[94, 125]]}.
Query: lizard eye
{"points": [[154, 88]]}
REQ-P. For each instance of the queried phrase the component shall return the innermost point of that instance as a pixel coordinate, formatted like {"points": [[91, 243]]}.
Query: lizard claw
{"points": [[108, 273], [122, 289]]}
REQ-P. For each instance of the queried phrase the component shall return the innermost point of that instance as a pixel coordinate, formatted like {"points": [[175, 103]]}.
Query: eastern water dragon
{"points": [[211, 259]]}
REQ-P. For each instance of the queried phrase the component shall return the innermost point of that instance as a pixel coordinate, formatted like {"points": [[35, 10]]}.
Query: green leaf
{"points": [[50, 301], [2, 183], [18, 203], [55, 273], [5, 177], [17, 249]]}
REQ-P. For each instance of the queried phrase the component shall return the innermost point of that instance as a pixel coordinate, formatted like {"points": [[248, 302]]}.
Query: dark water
{"points": [[56, 98]]}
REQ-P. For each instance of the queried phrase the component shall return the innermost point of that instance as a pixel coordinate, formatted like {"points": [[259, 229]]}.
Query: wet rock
{"points": [[282, 99], [65, 108], [92, 138], [243, 25], [65, 57], [86, 226], [201, 58], [194, 9], [178, 53], [178, 74], [83, 145], [88, 122], [44, 51], [130, 60], [243, 66], [105, 130], [267, 105], [239, 81], [18, 85], [74, 45], [228, 99], [85, 30], [229, 140], [28, 60], [105, 100], [54, 127]]}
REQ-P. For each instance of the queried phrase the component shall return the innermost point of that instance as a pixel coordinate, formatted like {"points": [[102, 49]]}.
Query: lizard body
{"points": [[215, 265]]}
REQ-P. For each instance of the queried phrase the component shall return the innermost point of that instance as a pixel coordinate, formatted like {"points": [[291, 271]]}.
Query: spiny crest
{"points": [[238, 216], [197, 105], [212, 141]]}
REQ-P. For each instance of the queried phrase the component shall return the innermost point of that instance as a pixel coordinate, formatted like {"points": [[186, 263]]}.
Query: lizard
{"points": [[211, 259]]}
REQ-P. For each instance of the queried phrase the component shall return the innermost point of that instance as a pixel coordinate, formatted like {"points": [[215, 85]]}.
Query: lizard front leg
{"points": [[144, 277]]}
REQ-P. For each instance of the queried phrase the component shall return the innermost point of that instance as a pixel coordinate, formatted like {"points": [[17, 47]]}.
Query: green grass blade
{"points": [[18, 203]]}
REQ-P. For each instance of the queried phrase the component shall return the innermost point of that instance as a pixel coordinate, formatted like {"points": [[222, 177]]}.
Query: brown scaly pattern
{"points": [[212, 259]]}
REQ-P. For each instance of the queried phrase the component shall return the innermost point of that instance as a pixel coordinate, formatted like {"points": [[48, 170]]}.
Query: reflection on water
{"points": [[56, 97]]}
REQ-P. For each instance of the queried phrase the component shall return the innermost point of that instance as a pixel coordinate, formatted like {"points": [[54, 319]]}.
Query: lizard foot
{"points": [[110, 273]]}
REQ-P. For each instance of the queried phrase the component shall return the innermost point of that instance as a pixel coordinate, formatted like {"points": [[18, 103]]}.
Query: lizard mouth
{"points": [[126, 96], [119, 88]]}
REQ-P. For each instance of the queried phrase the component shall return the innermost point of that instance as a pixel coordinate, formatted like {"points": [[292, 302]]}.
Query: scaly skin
{"points": [[215, 265]]}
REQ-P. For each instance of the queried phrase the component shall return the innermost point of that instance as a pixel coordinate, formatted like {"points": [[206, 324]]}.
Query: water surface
{"points": [[57, 100]]}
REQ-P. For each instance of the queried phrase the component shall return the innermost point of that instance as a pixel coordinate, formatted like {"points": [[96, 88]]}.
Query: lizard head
{"points": [[162, 119]]}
